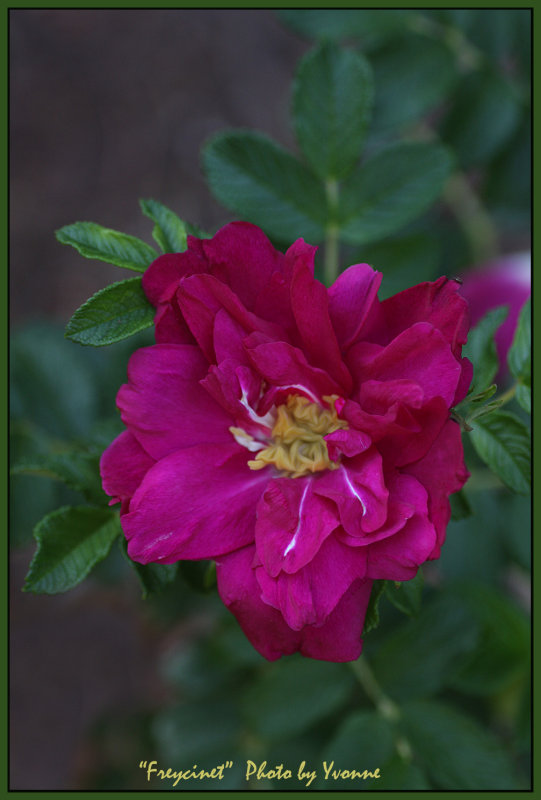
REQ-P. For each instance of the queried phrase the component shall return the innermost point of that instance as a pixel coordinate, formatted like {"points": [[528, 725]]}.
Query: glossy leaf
{"points": [[332, 99], [484, 116], [371, 619], [519, 357], [481, 349], [371, 26], [264, 184], [71, 540], [169, 231], [112, 314], [393, 188], [405, 95], [503, 442], [95, 241]]}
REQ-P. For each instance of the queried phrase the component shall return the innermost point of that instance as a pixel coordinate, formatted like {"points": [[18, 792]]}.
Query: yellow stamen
{"points": [[298, 447]]}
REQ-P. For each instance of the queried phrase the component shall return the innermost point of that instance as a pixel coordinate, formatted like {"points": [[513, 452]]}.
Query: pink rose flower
{"points": [[299, 436], [506, 281]]}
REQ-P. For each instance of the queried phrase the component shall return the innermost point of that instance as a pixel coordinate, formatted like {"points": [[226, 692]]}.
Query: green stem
{"points": [[331, 266], [385, 706], [473, 218], [508, 395]]}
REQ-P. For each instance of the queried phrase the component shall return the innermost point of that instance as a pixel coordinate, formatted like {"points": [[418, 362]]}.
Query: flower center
{"points": [[297, 446]]}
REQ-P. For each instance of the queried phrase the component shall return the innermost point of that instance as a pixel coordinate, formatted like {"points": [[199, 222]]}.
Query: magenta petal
{"points": [[358, 489], [442, 471], [308, 596], [264, 626], [337, 639], [194, 504], [346, 442], [200, 297], [419, 354], [281, 364], [350, 301], [439, 303], [161, 279], [292, 523], [398, 557], [311, 309], [163, 403], [123, 465], [243, 258], [170, 326]]}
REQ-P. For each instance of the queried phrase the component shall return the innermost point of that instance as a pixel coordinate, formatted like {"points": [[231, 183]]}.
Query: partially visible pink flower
{"points": [[297, 435], [506, 281]]}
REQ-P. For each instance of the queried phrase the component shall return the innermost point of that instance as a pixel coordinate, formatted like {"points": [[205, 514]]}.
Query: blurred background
{"points": [[110, 106]]}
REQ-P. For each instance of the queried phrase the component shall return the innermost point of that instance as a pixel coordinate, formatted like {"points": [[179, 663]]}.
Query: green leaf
{"points": [[95, 241], [332, 99], [200, 575], [401, 257], [153, 578], [424, 654], [456, 752], [480, 397], [503, 654], [71, 540], [365, 740], [460, 506], [296, 682], [371, 619], [266, 185], [370, 26], [169, 231], [407, 595], [484, 116], [519, 357], [390, 190], [503, 442], [405, 95], [112, 314], [481, 349], [77, 469]]}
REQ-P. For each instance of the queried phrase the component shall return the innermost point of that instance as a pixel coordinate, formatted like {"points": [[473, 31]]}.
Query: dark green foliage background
{"points": [[450, 655]]}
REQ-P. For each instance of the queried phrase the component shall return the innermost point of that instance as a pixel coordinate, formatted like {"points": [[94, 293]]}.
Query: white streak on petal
{"points": [[292, 543], [352, 490]]}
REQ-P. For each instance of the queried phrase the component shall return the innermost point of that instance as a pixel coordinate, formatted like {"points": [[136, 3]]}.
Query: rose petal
{"points": [[292, 523], [350, 301], [123, 466], [338, 639], [308, 596], [311, 309], [163, 403], [419, 354], [194, 504], [358, 489]]}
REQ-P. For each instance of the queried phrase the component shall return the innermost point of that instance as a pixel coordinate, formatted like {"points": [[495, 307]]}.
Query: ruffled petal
{"points": [[292, 523], [123, 465], [442, 471], [311, 309], [337, 639], [420, 354], [163, 404], [196, 503], [242, 257], [308, 596], [359, 491], [350, 301]]}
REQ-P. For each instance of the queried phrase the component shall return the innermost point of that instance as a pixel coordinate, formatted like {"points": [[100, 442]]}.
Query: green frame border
{"points": [[244, 4]]}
